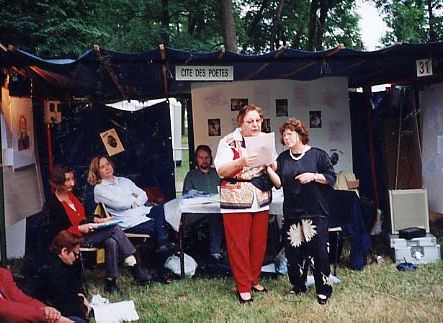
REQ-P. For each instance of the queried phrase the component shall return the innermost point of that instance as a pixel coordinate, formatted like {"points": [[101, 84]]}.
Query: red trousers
{"points": [[246, 236]]}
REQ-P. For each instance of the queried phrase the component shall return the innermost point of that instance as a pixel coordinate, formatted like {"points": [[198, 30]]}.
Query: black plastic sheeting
{"points": [[145, 136], [140, 76]]}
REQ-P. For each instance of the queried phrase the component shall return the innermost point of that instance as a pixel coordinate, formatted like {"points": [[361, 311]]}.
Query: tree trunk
{"points": [[228, 25], [324, 8], [312, 31], [275, 24], [432, 33], [165, 22]]}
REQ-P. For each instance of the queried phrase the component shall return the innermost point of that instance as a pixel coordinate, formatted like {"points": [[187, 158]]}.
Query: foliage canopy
{"points": [[56, 28]]}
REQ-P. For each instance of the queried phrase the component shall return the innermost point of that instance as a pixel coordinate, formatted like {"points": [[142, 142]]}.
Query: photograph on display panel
{"points": [[266, 125], [237, 104], [315, 119], [281, 107], [22, 128], [214, 128]]}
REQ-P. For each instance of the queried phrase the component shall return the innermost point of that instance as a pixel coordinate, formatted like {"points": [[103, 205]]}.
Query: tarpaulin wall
{"points": [[360, 147]]}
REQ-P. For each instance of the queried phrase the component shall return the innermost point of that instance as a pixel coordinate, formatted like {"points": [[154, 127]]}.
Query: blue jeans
{"points": [[215, 232], [157, 227]]}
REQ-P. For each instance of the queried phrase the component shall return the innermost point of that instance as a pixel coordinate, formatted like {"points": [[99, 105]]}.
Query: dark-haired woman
{"points": [[307, 177], [57, 281], [66, 212]]}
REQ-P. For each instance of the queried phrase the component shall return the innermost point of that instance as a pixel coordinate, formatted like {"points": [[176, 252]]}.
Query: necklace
{"points": [[298, 156]]}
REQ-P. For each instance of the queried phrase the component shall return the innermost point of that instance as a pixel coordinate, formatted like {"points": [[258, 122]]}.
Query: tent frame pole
{"points": [[367, 103], [162, 50], [4, 256]]}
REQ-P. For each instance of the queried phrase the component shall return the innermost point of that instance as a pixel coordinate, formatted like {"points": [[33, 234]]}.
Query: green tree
{"points": [[48, 28], [300, 24], [412, 21]]}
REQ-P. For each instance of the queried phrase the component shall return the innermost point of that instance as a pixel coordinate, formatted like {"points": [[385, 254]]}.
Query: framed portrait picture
{"points": [[266, 125], [237, 104], [112, 142], [281, 107], [214, 128], [22, 129], [315, 119]]}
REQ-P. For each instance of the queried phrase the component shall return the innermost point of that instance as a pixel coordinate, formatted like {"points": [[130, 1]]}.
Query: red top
{"points": [[75, 216], [16, 306]]}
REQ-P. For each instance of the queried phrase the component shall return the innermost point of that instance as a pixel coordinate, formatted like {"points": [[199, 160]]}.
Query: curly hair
{"points": [[297, 126]]}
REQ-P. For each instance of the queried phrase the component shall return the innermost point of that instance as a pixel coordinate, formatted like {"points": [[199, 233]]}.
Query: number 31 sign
{"points": [[424, 67]]}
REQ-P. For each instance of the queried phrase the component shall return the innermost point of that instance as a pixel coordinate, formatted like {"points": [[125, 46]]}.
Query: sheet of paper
{"points": [[263, 146], [115, 312]]}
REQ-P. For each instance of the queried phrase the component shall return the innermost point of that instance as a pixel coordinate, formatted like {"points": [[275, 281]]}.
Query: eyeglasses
{"points": [[76, 254], [250, 122]]}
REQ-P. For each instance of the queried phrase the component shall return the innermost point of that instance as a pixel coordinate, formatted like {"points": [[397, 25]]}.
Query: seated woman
{"points": [[65, 212], [57, 280], [126, 202]]}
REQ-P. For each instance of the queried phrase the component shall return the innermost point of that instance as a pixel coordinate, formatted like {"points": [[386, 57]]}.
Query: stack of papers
{"points": [[201, 200], [115, 312]]}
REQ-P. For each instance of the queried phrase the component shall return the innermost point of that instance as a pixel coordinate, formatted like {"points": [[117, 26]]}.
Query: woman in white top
{"points": [[244, 206]]}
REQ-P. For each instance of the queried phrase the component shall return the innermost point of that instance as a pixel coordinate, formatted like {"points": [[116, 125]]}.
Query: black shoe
{"points": [[294, 291], [244, 301], [141, 277], [111, 286], [321, 300]]}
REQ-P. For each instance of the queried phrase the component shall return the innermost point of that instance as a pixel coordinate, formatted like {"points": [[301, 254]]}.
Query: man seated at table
{"points": [[204, 178], [127, 202]]}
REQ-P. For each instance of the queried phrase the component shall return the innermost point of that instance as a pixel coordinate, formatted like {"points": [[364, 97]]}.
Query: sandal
{"points": [[260, 289], [244, 301]]}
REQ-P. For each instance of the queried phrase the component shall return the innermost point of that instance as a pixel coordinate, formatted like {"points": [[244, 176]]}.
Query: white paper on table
{"points": [[263, 146], [115, 312]]}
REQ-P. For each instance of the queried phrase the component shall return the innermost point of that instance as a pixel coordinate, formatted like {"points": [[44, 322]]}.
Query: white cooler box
{"points": [[418, 250]]}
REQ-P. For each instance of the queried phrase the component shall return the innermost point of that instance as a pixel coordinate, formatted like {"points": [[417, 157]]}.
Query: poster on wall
{"points": [[281, 107], [112, 142], [237, 104], [214, 128], [22, 129], [266, 125], [315, 119]]}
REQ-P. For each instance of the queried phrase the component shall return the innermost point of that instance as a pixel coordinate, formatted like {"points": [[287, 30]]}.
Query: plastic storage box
{"points": [[422, 250]]}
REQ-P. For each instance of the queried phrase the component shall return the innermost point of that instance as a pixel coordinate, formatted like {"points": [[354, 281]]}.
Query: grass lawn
{"points": [[377, 293]]}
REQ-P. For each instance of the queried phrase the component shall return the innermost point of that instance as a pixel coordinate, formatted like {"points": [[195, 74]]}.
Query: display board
{"points": [[322, 104], [431, 103]]}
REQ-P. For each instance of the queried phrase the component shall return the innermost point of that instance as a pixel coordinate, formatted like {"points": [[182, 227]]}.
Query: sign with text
{"points": [[424, 67], [204, 73]]}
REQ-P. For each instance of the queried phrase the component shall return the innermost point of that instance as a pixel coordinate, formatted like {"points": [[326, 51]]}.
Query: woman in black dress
{"points": [[307, 176]]}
